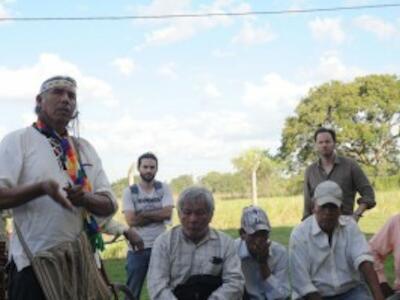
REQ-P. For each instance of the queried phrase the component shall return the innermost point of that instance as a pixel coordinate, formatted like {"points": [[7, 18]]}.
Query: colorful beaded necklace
{"points": [[63, 147]]}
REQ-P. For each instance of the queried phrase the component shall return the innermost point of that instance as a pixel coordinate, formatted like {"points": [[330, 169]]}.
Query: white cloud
{"points": [[168, 70], [207, 137], [174, 30], [377, 26], [211, 90], [331, 67], [327, 29], [23, 83], [276, 97], [28, 117], [169, 34], [274, 94], [250, 35], [163, 7], [125, 65], [4, 13]]}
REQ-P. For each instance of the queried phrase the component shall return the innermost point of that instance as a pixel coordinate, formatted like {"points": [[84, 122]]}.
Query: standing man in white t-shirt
{"points": [[147, 206]]}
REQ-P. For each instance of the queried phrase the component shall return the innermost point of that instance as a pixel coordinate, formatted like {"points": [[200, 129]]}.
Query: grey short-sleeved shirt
{"points": [[147, 202]]}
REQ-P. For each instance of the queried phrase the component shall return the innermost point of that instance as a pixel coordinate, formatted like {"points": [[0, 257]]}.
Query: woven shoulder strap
{"points": [[23, 242]]}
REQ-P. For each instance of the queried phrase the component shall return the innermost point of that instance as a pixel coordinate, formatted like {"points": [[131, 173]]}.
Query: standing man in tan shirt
{"points": [[342, 170]]}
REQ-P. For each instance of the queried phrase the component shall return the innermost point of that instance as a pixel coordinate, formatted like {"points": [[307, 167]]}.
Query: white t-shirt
{"points": [[146, 202], [26, 157]]}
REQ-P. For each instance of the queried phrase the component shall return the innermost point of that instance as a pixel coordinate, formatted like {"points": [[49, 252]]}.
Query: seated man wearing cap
{"points": [[328, 253], [264, 262]]}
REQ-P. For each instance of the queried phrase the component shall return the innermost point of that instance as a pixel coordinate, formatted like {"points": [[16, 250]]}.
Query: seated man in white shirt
{"points": [[193, 261], [327, 253], [264, 262]]}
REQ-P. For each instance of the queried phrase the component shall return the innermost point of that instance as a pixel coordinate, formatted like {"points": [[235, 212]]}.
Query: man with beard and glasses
{"points": [[56, 187], [342, 170], [147, 207]]}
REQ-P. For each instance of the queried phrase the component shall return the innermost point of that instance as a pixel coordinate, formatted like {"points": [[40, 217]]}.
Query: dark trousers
{"points": [[23, 285], [137, 264]]}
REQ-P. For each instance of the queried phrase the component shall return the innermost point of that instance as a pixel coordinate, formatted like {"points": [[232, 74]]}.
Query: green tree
{"points": [[178, 184], [365, 115], [227, 185], [252, 163], [212, 181]]}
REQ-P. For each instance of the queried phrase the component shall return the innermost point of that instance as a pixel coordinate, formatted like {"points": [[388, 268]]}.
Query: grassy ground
{"points": [[284, 213]]}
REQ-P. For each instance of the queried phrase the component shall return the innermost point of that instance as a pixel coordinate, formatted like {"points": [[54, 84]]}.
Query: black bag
{"points": [[198, 287]]}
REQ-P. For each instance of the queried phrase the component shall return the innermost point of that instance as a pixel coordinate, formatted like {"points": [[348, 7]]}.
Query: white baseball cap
{"points": [[328, 192]]}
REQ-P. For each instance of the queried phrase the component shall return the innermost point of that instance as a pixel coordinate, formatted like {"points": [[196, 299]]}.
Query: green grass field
{"points": [[284, 213]]}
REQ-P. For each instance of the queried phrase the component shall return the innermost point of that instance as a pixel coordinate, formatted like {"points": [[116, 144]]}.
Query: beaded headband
{"points": [[57, 81]]}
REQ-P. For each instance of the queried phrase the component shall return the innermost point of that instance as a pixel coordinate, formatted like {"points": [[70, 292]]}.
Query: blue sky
{"points": [[197, 92]]}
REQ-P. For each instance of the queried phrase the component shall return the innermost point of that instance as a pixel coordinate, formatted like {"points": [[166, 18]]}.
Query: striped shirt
{"points": [[174, 259]]}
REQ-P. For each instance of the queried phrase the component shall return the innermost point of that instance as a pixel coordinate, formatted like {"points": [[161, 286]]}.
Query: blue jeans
{"points": [[359, 292], [136, 269]]}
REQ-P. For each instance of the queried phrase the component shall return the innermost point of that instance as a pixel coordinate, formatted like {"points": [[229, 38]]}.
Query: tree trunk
{"points": [[131, 174], [254, 186]]}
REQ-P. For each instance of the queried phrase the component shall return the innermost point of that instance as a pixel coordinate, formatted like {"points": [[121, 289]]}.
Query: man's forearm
{"points": [[100, 204], [13, 197], [158, 215], [144, 218], [358, 213], [368, 271], [139, 220]]}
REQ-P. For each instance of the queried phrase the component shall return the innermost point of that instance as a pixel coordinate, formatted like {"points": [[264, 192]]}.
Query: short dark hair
{"points": [[148, 155], [323, 130]]}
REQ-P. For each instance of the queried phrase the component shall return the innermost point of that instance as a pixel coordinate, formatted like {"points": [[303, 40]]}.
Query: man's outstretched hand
{"points": [[52, 189]]}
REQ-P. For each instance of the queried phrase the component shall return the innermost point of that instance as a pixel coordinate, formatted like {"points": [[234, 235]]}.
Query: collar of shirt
{"points": [[243, 251], [336, 162], [316, 230], [211, 235]]}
